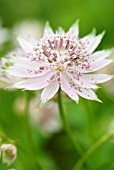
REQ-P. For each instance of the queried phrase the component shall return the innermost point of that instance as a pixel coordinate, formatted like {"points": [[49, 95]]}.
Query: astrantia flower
{"points": [[61, 60]]}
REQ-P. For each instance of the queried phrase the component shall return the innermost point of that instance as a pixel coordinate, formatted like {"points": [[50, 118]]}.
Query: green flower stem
{"points": [[39, 165], [75, 143], [0, 158], [91, 129], [31, 155], [88, 153]]}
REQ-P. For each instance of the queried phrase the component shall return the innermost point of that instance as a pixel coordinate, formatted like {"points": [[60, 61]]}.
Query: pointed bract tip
{"points": [[102, 33], [60, 30], [47, 24], [77, 101], [97, 87], [23, 89], [76, 23], [77, 20], [47, 28], [9, 87], [93, 31], [98, 100]]}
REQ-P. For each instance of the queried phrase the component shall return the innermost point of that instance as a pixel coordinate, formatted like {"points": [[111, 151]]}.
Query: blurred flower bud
{"points": [[46, 116], [109, 85], [19, 106], [8, 153]]}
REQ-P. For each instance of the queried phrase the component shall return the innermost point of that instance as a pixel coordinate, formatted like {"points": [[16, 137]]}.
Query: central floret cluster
{"points": [[62, 49], [62, 54], [61, 60]]}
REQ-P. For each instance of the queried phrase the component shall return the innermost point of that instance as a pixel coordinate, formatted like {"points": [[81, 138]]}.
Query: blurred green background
{"points": [[89, 120], [97, 13]]}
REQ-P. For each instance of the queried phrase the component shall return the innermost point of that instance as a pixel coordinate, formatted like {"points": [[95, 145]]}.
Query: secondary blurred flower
{"points": [[8, 153], [6, 79], [46, 116], [19, 106], [29, 30], [61, 60], [109, 86]]}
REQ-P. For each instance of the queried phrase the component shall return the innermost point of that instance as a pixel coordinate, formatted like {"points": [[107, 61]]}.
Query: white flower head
{"points": [[61, 60], [8, 153]]}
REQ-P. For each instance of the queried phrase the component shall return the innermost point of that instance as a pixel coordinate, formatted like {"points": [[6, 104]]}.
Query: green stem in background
{"points": [[75, 143], [39, 165], [27, 123], [106, 163], [88, 153], [91, 129]]}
